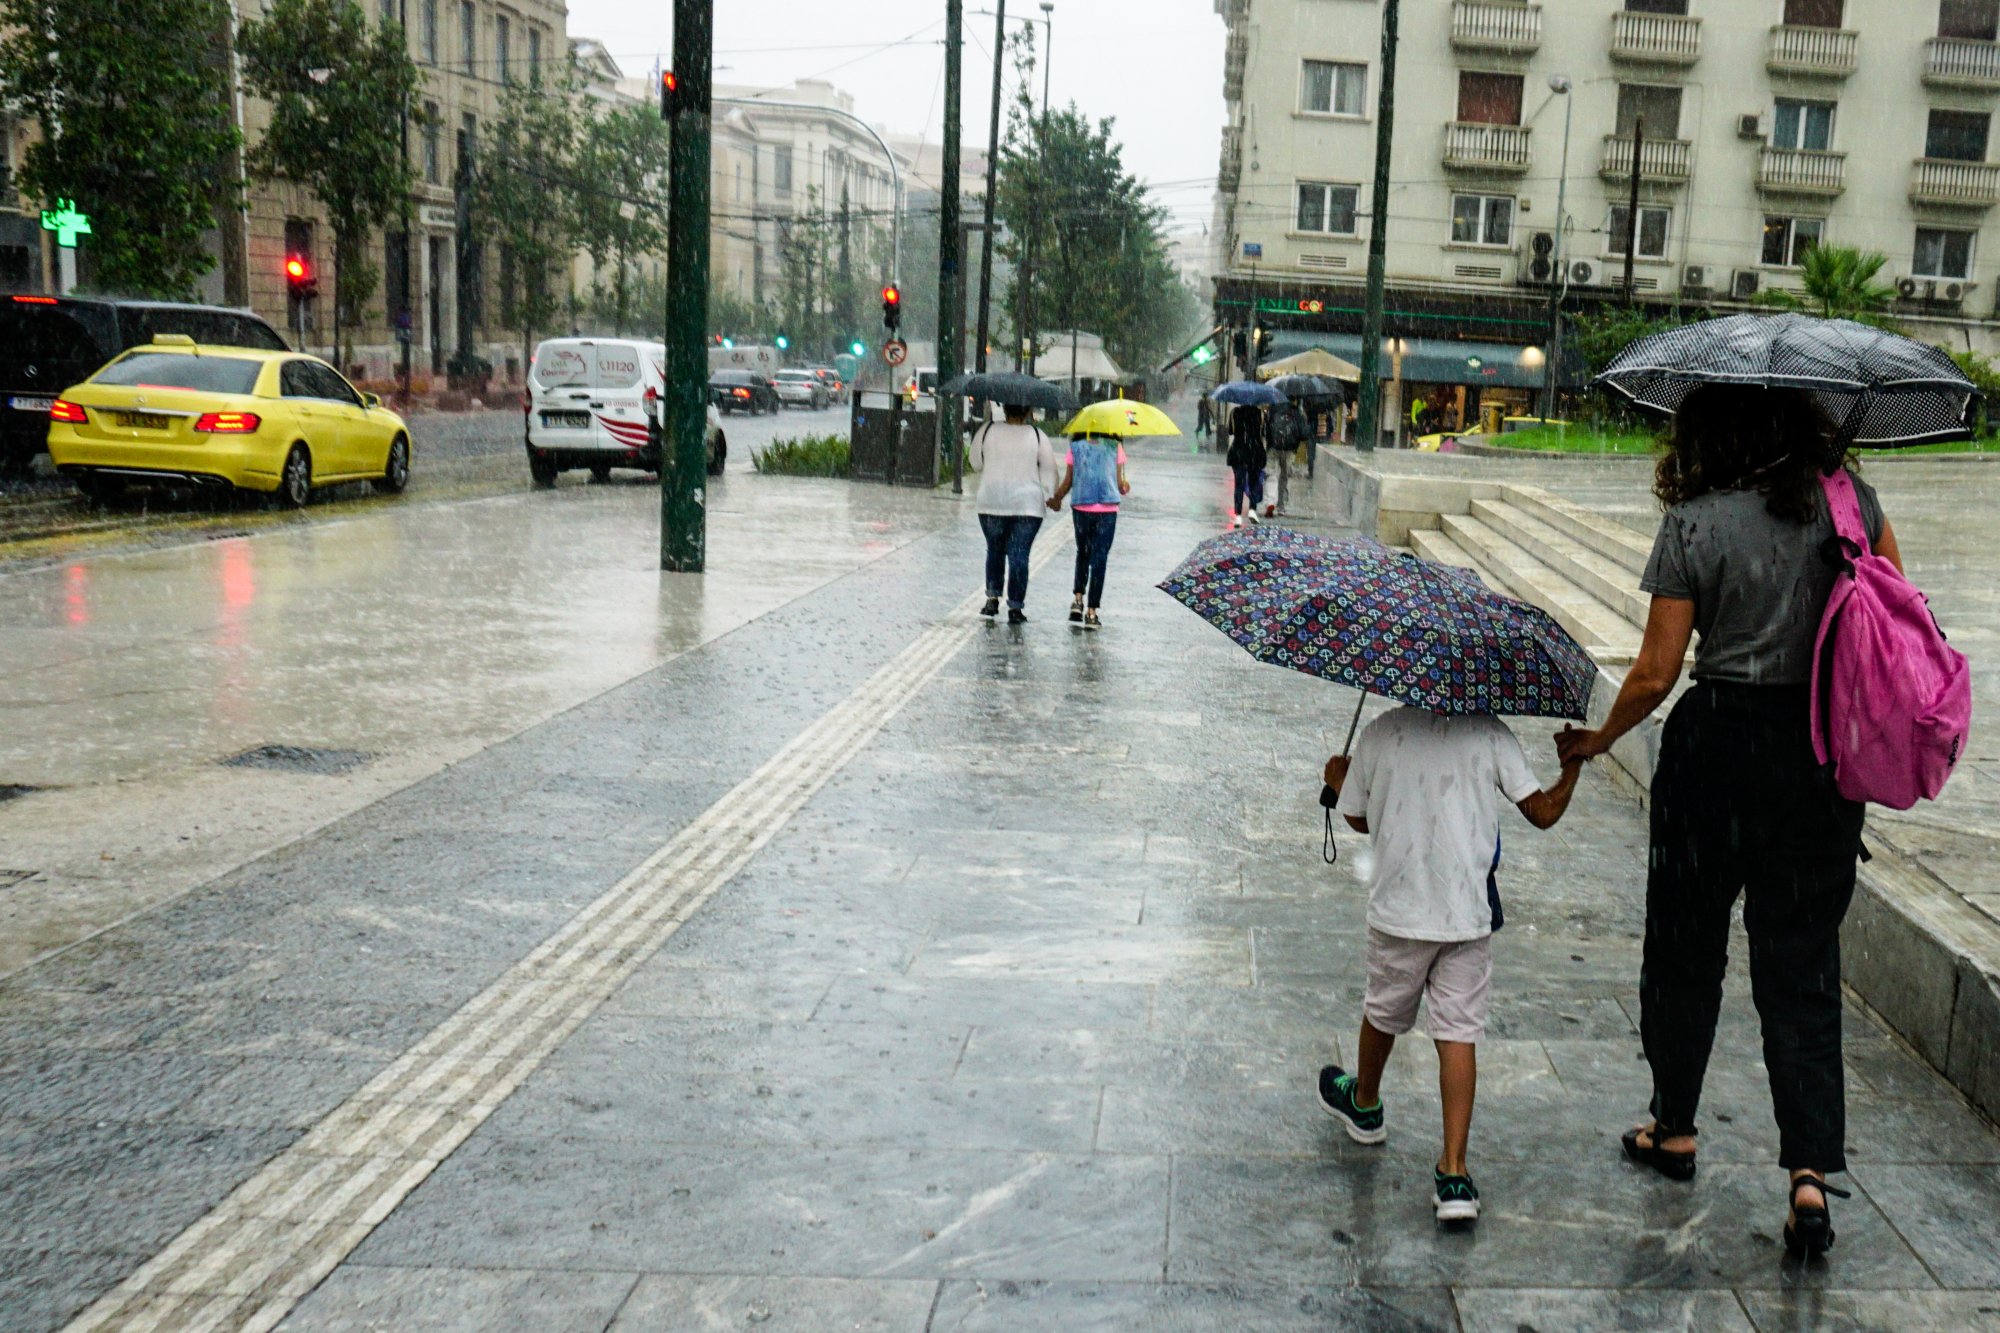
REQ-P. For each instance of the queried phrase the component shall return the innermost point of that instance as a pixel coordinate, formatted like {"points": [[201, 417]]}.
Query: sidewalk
{"points": [[1010, 1024]]}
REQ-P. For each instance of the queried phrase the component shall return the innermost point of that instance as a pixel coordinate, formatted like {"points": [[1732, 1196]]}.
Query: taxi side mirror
{"points": [[371, 400]]}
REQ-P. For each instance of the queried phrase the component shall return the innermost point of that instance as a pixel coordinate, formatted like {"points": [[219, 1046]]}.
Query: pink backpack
{"points": [[1891, 700]]}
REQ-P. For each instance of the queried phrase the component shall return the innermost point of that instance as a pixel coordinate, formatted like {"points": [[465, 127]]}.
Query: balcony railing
{"points": [[1493, 25], [1655, 39], [1235, 57], [1486, 147], [1831, 52], [1935, 180], [1962, 62], [1801, 171], [1229, 173], [1663, 161]]}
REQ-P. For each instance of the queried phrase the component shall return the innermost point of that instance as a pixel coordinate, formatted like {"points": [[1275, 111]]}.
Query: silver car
{"points": [[801, 388]]}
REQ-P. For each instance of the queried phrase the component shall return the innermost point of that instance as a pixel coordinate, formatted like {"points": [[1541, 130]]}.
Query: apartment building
{"points": [[1764, 127]]}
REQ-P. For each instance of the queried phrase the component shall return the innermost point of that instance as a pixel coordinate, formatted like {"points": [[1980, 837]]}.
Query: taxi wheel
{"points": [[295, 482], [396, 471], [600, 472]]}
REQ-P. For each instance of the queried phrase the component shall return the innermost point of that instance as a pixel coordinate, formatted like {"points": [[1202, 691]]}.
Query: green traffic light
{"points": [[729, 342], [859, 348], [783, 342]]}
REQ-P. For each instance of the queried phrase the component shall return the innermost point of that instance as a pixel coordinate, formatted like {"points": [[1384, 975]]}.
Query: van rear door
{"points": [[560, 389], [618, 407]]}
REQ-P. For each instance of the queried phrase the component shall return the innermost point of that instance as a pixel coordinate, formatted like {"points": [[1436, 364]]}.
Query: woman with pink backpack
{"points": [[1747, 557]]}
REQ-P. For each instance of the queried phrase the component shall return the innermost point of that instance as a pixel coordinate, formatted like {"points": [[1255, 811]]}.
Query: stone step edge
{"points": [[1603, 578], [1603, 632], [1607, 537]]}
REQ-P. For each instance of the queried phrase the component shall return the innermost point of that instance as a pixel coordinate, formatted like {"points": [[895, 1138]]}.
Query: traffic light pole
{"points": [[951, 243], [684, 445], [1378, 239], [992, 173]]}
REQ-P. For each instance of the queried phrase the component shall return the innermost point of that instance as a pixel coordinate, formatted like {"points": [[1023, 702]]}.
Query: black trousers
{"points": [[1739, 806]]}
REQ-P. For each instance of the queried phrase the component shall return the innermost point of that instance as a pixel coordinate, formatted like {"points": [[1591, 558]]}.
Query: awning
{"points": [[1436, 360]]}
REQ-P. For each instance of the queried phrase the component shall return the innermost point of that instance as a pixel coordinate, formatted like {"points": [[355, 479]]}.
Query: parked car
{"points": [[835, 386], [50, 342], [800, 388], [595, 403], [212, 416], [743, 391], [1446, 441]]}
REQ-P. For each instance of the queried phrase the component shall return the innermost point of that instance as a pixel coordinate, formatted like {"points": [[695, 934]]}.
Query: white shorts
{"points": [[1452, 979]]}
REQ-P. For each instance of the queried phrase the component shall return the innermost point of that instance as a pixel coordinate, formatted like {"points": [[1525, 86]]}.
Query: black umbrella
{"points": [[1880, 389], [1011, 391], [1309, 386]]}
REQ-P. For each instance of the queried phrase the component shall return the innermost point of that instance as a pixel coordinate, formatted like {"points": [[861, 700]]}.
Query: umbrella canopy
{"points": [[1121, 417], [1422, 634], [1879, 389], [1248, 393], [1012, 391], [1312, 361], [1308, 386]]}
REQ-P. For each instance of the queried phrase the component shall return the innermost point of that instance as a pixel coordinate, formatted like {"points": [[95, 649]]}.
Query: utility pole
{"points": [[1632, 208], [1378, 237], [406, 325], [951, 243], [684, 446], [1562, 86], [1029, 316], [992, 179]]}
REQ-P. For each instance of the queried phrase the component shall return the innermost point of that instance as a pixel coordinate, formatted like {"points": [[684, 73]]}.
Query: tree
{"points": [[621, 166], [132, 97], [524, 191], [338, 93], [1839, 284]]}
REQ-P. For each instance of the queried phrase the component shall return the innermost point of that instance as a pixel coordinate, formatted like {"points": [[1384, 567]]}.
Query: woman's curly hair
{"points": [[1733, 437]]}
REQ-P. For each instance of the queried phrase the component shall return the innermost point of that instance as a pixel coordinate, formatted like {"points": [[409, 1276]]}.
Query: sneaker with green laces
{"points": [[1454, 1198], [1336, 1098]]}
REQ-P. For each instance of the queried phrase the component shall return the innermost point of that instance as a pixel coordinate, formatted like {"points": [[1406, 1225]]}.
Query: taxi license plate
{"points": [[566, 420], [25, 404], [141, 420]]}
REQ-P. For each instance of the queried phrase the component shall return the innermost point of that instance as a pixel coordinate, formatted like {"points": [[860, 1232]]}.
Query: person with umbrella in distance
{"points": [[1765, 410], [1017, 475], [1095, 483]]}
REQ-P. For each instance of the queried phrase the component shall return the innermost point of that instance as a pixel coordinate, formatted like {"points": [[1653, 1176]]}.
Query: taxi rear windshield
{"points": [[180, 370]]}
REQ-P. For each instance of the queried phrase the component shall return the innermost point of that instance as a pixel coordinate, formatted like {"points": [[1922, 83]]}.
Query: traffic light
{"points": [[783, 342], [670, 84], [299, 277], [892, 308], [858, 347]]}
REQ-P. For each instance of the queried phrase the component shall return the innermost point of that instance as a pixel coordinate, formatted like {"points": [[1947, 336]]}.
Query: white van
{"points": [[595, 403]]}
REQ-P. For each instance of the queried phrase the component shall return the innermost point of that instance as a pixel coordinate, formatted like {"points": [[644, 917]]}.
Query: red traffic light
{"points": [[295, 269], [669, 81], [892, 295]]}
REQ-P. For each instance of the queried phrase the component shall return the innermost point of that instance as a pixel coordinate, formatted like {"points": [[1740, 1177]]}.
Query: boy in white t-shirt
{"points": [[1423, 786]]}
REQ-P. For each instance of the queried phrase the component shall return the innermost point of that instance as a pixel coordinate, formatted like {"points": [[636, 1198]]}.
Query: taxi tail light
{"points": [[64, 410], [227, 423]]}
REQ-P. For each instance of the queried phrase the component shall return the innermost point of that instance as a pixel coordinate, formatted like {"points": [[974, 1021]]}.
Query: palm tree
{"points": [[1839, 283]]}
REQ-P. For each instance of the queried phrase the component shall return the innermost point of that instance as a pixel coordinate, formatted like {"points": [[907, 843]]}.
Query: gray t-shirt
{"points": [[1758, 582]]}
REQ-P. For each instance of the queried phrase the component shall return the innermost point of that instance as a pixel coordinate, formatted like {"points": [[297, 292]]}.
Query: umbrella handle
{"points": [[1347, 746]]}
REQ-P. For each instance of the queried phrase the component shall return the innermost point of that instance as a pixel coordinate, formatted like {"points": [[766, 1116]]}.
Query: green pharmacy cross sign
{"points": [[66, 223]]}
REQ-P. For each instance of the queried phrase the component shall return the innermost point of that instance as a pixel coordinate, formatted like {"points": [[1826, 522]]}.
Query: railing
{"points": [[1486, 147], [1235, 57], [1667, 160], [1655, 39], [1962, 62], [1492, 25], [1229, 174], [1830, 51], [1801, 171], [1968, 184]]}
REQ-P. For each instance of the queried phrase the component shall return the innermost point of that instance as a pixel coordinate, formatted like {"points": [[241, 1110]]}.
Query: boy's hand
{"points": [[1124, 488], [1055, 504], [1336, 772]]}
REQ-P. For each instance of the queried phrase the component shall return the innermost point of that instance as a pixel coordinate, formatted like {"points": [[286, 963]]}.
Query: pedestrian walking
{"points": [[1424, 787], [1288, 429], [1095, 482], [1017, 475], [1248, 456], [1204, 418], [1740, 804]]}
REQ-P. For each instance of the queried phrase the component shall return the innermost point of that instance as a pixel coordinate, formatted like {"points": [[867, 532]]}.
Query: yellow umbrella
{"points": [[1121, 417]]}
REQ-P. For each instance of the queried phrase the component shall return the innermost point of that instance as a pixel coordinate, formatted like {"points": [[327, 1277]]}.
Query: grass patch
{"points": [[806, 456], [1592, 440]]}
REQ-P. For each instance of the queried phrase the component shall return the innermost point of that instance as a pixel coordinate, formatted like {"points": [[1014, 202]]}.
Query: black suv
{"points": [[48, 343]]}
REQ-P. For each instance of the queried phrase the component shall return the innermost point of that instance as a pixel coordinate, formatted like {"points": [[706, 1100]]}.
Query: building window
{"points": [[1659, 107], [1329, 89], [433, 154], [502, 32], [468, 36], [1978, 20], [1657, 6], [1814, 13], [1787, 239], [388, 12], [1326, 208], [781, 168], [1652, 230], [468, 145], [1482, 219], [430, 21], [535, 55], [1943, 254], [1489, 99], [1957, 136], [1801, 124]]}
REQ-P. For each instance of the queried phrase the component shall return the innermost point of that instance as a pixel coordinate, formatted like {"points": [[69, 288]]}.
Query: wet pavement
{"points": [[836, 960]]}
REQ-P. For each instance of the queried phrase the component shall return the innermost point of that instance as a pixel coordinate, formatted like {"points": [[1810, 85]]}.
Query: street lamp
{"points": [[1560, 85]]}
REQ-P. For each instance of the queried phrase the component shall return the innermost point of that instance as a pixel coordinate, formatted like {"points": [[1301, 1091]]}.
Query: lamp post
{"points": [[1027, 280], [1378, 237], [1560, 85]]}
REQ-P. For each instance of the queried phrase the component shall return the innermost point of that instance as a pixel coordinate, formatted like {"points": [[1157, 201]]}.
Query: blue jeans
{"points": [[1093, 550], [1250, 481], [1009, 538]]}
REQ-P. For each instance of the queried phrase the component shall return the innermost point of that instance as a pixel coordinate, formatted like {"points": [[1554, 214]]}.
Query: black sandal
{"points": [[1672, 1165], [1810, 1232]]}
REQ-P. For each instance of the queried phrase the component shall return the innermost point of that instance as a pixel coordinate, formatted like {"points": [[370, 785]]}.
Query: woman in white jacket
{"points": [[1017, 476]]}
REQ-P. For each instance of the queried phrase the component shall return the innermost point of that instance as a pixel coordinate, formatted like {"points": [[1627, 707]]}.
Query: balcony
{"points": [[1470, 147], [1229, 174], [1802, 171], [1661, 161], [1829, 53], [1492, 25], [1655, 39], [1950, 184], [1235, 57], [1962, 62]]}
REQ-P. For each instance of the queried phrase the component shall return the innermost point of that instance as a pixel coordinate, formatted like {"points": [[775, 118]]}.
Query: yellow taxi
{"points": [[176, 412], [1508, 426]]}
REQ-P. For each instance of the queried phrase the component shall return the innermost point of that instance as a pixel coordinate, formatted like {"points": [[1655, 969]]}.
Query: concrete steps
{"points": [[1606, 537], [1524, 572], [1605, 579]]}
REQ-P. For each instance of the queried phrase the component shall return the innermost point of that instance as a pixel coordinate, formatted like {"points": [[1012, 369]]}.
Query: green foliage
{"points": [[806, 456], [338, 91], [1839, 284], [1602, 333], [133, 101], [524, 191], [1986, 377], [621, 205]]}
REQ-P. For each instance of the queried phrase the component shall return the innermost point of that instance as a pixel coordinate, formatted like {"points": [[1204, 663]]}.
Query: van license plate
{"points": [[566, 420], [141, 420], [21, 404]]}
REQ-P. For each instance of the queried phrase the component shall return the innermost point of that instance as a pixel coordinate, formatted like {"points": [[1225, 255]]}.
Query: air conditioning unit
{"points": [[1952, 292], [1582, 273], [1694, 278], [1743, 284], [1750, 127], [1541, 257], [1909, 288]]}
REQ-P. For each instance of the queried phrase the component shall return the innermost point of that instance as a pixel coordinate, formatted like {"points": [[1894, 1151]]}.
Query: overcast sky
{"points": [[1156, 65]]}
